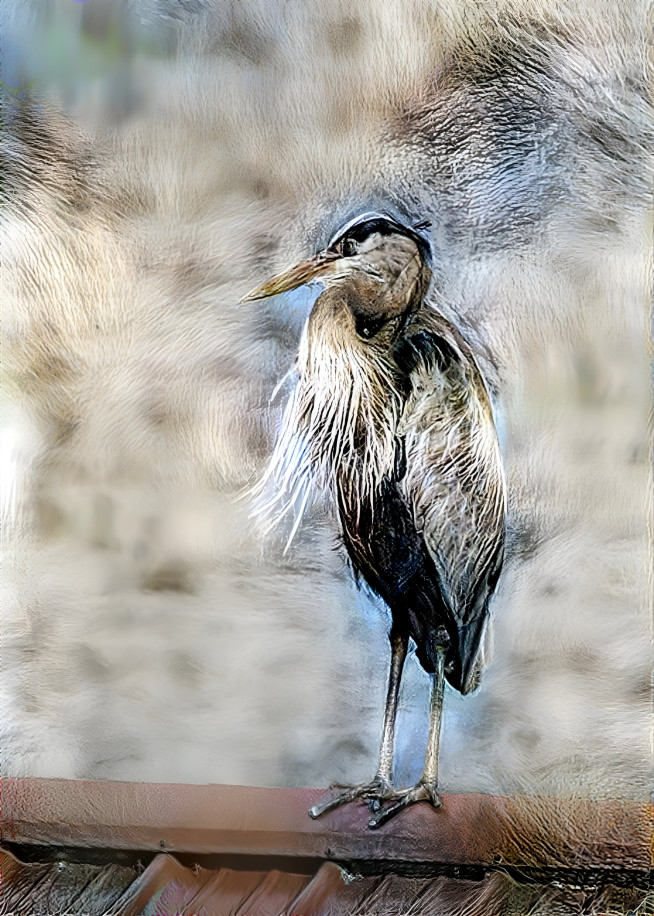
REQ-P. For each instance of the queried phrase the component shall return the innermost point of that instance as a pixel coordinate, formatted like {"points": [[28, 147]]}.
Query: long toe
{"points": [[402, 800], [375, 792]]}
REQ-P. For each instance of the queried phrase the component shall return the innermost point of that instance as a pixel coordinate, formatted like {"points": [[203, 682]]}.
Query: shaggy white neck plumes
{"points": [[338, 429]]}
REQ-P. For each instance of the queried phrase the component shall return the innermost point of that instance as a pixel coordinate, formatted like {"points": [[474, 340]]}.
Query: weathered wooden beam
{"points": [[468, 830]]}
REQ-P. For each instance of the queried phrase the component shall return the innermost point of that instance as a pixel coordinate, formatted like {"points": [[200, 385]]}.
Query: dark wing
{"points": [[389, 553], [454, 481]]}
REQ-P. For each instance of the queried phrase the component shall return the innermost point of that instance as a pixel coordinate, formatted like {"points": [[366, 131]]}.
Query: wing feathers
{"points": [[454, 481]]}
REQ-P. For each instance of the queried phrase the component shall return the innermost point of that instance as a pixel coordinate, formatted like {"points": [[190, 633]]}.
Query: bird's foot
{"points": [[422, 791], [374, 793]]}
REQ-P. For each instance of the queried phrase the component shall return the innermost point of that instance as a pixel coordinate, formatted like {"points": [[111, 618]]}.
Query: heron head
{"points": [[375, 273]]}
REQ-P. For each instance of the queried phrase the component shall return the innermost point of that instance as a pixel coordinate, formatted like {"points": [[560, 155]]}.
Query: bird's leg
{"points": [[380, 787], [426, 789], [429, 778], [399, 644]]}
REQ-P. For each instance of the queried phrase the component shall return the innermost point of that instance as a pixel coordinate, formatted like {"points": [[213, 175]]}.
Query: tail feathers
{"points": [[464, 668], [466, 659]]}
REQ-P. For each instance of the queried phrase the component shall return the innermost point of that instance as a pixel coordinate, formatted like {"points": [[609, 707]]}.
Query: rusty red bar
{"points": [[467, 830]]}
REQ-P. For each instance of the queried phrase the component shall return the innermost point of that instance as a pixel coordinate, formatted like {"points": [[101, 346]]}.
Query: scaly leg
{"points": [[380, 788], [426, 788]]}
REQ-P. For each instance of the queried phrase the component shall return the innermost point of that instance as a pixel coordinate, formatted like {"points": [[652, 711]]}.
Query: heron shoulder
{"points": [[454, 478]]}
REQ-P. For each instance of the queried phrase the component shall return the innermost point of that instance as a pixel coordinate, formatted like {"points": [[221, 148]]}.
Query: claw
{"points": [[374, 804]]}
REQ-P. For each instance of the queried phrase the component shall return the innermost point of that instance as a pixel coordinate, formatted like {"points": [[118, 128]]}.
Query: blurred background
{"points": [[160, 159]]}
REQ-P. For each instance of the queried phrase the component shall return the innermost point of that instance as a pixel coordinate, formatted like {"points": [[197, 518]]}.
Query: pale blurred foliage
{"points": [[188, 151]]}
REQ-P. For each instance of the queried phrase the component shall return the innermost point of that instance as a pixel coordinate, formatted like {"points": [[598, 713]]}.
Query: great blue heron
{"points": [[391, 416]]}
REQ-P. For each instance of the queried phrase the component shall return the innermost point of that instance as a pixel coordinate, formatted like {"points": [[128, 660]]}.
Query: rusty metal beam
{"points": [[468, 830]]}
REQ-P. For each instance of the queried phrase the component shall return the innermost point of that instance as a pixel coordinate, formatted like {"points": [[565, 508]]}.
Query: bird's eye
{"points": [[350, 248], [368, 327]]}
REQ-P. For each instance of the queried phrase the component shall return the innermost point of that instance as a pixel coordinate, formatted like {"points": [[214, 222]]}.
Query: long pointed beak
{"points": [[295, 276]]}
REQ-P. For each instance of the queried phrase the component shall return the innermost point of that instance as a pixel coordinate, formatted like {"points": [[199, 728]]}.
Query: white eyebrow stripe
{"points": [[355, 221]]}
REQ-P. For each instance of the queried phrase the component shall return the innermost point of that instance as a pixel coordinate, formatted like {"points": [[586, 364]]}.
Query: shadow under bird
{"points": [[391, 418]]}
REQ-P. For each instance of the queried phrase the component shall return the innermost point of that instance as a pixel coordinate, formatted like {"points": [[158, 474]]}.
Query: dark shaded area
{"points": [[387, 550], [44, 888], [268, 887]]}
